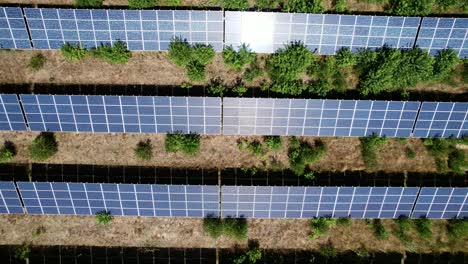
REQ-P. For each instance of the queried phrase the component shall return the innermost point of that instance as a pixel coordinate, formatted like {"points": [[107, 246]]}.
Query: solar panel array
{"points": [[437, 34], [310, 202], [442, 119], [139, 29], [10, 202], [324, 34], [11, 116], [442, 203], [13, 32], [129, 114], [300, 117], [119, 199]]}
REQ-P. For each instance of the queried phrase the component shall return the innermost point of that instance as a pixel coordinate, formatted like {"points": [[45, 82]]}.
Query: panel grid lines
{"points": [[10, 202], [11, 115], [13, 32], [442, 119], [440, 203]]}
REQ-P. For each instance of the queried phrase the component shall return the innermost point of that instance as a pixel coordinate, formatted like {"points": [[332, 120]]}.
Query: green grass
{"points": [[403, 226], [273, 142], [43, 147], [255, 148], [457, 229], [88, 3], [116, 54], [235, 228], [213, 227], [144, 150], [301, 153], [304, 6], [7, 152], [253, 72], [236, 60], [457, 161], [141, 4], [344, 221], [104, 218], [369, 148], [321, 226], [379, 230], [445, 154], [424, 228], [235, 4], [37, 62], [73, 52], [186, 143], [410, 153]]}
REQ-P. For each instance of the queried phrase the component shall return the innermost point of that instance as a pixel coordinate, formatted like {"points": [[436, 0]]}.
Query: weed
{"points": [[369, 147], [22, 252], [144, 150], [301, 153], [217, 89], [196, 71], [235, 228], [253, 255], [7, 152], [304, 6], [273, 142], [340, 6], [141, 4], [411, 7], [255, 148], [457, 229], [403, 226], [37, 62], [253, 72], [320, 226], [424, 227], [213, 226], [240, 90], [401, 140], [235, 4], [73, 52], [193, 58], [43, 147], [328, 250], [410, 153], [444, 63], [88, 3], [457, 161], [238, 59], [116, 54], [180, 52], [344, 221], [202, 54], [104, 218], [345, 58], [187, 143], [379, 230]]}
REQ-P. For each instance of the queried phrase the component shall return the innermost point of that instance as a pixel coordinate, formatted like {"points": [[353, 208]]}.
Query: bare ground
{"points": [[188, 233]]}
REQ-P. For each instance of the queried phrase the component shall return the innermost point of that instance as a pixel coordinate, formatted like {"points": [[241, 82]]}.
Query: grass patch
{"points": [[236, 60], [424, 227], [7, 152], [446, 155], [410, 153], [213, 227], [37, 62], [144, 150], [344, 221], [300, 154], [186, 143], [116, 54], [321, 226], [235, 228], [379, 230], [253, 71], [457, 229], [88, 3], [403, 226], [369, 148], [141, 4], [104, 218], [73, 52], [43, 147], [273, 142]]}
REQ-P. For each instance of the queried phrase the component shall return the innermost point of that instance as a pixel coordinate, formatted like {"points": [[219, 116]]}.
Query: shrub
{"points": [[116, 54], [440, 148], [251, 256], [423, 227], [328, 250], [344, 221], [203, 54], [369, 147], [217, 89], [187, 143], [238, 59], [320, 226], [22, 252], [88, 3], [273, 142], [457, 161], [345, 58], [173, 2], [340, 6], [235, 4], [144, 150], [457, 229], [141, 4], [328, 76], [403, 226], [444, 63], [7, 152], [379, 230], [300, 154], [444, 5], [43, 147], [235, 228], [410, 153], [253, 72], [196, 71], [193, 58], [240, 90], [266, 4], [304, 6], [73, 52], [255, 148], [213, 226], [104, 218], [37, 62], [411, 7], [288, 63], [180, 52]]}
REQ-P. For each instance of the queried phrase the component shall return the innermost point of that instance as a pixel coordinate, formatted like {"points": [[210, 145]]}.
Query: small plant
{"points": [[7, 152], [423, 227], [340, 6], [240, 90], [88, 3], [235, 228], [304, 6], [235, 4], [328, 250], [457, 229], [253, 72], [202, 54], [116, 54], [301, 153], [186, 85], [253, 255], [403, 226], [180, 52], [213, 226], [379, 230], [73, 52], [410, 153], [369, 147], [104, 218], [37, 62], [196, 71], [43, 147], [345, 58], [255, 148], [22, 252], [141, 4], [144, 150], [344, 221], [238, 59], [273, 142], [320, 226], [457, 161], [187, 143], [217, 89]]}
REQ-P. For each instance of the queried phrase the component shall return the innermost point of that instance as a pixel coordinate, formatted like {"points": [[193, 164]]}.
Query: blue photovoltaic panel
{"points": [[300, 117], [310, 202], [324, 34], [437, 34], [119, 199], [442, 203], [139, 29], [11, 116], [13, 32], [124, 114], [9, 200], [442, 119]]}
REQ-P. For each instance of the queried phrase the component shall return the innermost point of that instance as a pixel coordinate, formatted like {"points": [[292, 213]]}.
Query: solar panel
{"points": [[310, 202], [441, 33], [442, 203], [300, 117], [10, 202], [125, 114], [13, 32], [324, 34], [11, 116], [139, 29], [119, 199], [442, 119]]}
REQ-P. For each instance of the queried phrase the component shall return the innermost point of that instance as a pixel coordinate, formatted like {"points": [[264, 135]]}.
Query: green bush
{"points": [[403, 226], [445, 5], [273, 142], [235, 4], [411, 7], [187, 143], [457, 229], [213, 226], [379, 230], [340, 6], [344, 221], [23, 252], [193, 58], [300, 154], [328, 76], [104, 218], [7, 152], [196, 71], [144, 150], [369, 148], [424, 227], [253, 72], [173, 2], [88, 3], [410, 153], [442, 149], [255, 148], [217, 89], [328, 250], [116, 54], [266, 4], [180, 52], [444, 63], [457, 161], [251, 256], [304, 6], [240, 90], [43, 147], [238, 59], [235, 228], [345, 58], [203, 54], [141, 4], [37, 62], [320, 226], [73, 52]]}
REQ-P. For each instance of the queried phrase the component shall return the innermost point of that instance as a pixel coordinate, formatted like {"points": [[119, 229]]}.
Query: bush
{"points": [[240, 90], [320, 226], [238, 59], [444, 63], [304, 6], [423, 227], [235, 228], [22, 252], [328, 76], [300, 154], [457, 161], [340, 6], [251, 256], [88, 3], [180, 52], [410, 153], [37, 62], [403, 226], [235, 4], [255, 148], [345, 58], [344, 221], [411, 7], [141, 4], [43, 147], [217, 89], [213, 226], [196, 71], [379, 230], [73, 52], [253, 72], [144, 150], [116, 54], [7, 152], [273, 142], [457, 229], [203, 54], [369, 147], [187, 143], [104, 218], [328, 250], [193, 58]]}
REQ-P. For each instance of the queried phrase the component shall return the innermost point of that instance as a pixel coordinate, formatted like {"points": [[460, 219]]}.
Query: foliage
{"points": [[410, 153], [235, 4], [344, 221], [7, 152], [73, 52], [442, 149], [444, 63], [37, 62], [328, 250], [116, 54], [304, 6], [193, 58], [411, 7], [379, 230], [301, 153], [328, 76], [345, 58], [238, 59], [273, 142], [22, 252], [255, 148], [424, 227], [186, 143], [235, 228], [320, 226], [173, 2], [369, 147], [213, 226], [202, 54], [240, 90], [141, 4], [253, 72], [457, 229], [449, 4], [457, 161], [251, 256], [403, 226], [196, 71], [266, 4], [104, 218], [180, 52], [217, 89], [88, 3], [340, 6], [43, 147], [144, 150]]}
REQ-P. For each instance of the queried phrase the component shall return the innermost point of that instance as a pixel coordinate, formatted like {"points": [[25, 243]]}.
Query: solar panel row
{"points": [[10, 202], [442, 120], [13, 32], [11, 116], [442, 203]]}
